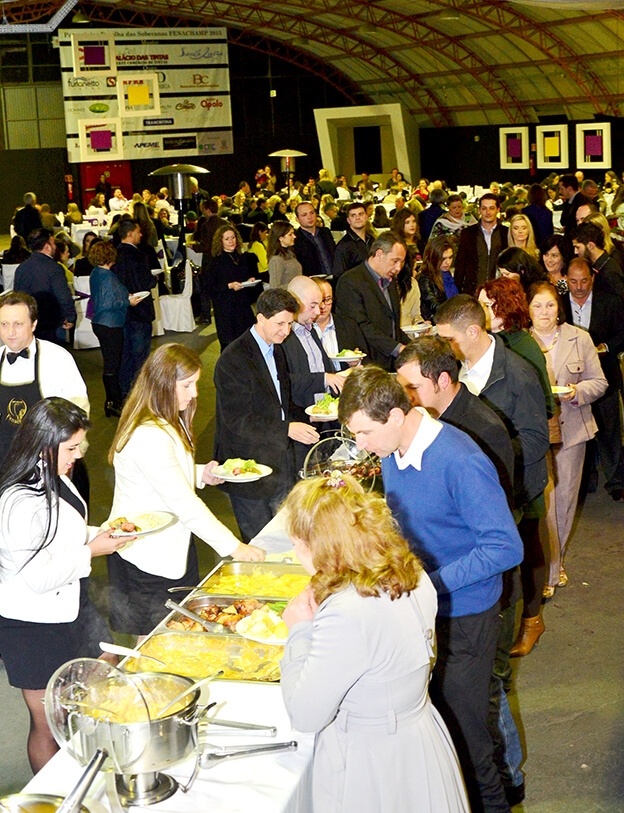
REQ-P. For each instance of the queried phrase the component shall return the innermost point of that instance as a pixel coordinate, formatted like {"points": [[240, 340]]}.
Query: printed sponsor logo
{"points": [[208, 103], [142, 57], [76, 109], [185, 105], [111, 81], [204, 54], [99, 107], [146, 145], [83, 82], [156, 122], [162, 80], [202, 79], [180, 143]]}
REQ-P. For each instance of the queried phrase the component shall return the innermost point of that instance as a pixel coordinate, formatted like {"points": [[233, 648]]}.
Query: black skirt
{"points": [[33, 651], [137, 598]]}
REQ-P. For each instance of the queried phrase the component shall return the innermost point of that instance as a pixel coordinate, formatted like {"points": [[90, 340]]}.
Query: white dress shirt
{"points": [[476, 377], [155, 472], [329, 339]]}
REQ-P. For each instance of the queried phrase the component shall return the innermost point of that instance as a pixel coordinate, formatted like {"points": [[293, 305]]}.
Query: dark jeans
{"points": [[460, 690], [609, 440], [136, 348], [111, 341]]}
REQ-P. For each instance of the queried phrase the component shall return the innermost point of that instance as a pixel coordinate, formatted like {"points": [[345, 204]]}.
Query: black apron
{"points": [[15, 401]]}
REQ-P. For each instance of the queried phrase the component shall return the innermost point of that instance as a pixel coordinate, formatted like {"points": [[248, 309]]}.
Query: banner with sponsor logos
{"points": [[145, 93]]}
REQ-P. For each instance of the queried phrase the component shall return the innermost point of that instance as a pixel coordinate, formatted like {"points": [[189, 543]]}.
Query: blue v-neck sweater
{"points": [[455, 516]]}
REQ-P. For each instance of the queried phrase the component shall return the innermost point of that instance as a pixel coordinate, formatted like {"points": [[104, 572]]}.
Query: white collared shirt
{"points": [[581, 314], [476, 377], [329, 339], [427, 432]]}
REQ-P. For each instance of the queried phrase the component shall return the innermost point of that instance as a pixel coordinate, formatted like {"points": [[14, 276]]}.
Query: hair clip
{"points": [[334, 480]]}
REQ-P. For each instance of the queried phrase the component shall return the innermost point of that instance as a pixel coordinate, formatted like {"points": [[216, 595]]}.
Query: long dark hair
{"points": [[279, 229], [433, 258], [34, 456]]}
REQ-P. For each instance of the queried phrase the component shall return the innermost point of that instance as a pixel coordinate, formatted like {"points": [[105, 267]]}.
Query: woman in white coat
{"points": [[572, 362], [152, 453], [359, 654], [46, 549]]}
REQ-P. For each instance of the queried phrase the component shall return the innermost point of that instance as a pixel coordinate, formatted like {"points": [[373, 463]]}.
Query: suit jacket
{"points": [[133, 270], [351, 251], [568, 211], [307, 253], [42, 277], [26, 219], [576, 362], [358, 297], [606, 326], [473, 263], [305, 385], [249, 421]]}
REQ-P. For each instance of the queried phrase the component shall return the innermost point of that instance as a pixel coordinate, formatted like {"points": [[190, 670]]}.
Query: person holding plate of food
{"points": [[152, 454]]}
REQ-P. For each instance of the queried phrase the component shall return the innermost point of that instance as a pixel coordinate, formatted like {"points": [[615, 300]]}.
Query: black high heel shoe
{"points": [[111, 410]]}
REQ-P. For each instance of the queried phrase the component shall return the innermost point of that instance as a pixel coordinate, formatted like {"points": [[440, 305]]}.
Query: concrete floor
{"points": [[569, 694]]}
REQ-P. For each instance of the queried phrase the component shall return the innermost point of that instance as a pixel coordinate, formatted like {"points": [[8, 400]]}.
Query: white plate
{"points": [[241, 629], [562, 390], [320, 416], [415, 328], [141, 294], [241, 478], [350, 357], [157, 520], [250, 283]]}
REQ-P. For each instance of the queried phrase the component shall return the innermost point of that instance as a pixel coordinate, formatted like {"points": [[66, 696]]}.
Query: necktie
{"points": [[12, 357]]}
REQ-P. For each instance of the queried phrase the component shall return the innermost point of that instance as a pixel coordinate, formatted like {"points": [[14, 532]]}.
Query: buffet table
{"points": [[268, 783]]}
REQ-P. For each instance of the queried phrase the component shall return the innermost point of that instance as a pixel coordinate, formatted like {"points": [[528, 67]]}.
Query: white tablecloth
{"points": [[273, 783]]}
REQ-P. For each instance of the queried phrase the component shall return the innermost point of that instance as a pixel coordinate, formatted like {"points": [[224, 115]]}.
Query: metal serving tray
{"points": [[233, 578]]}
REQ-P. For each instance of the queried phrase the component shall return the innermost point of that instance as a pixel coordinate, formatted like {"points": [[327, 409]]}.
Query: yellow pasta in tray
{"points": [[258, 583]]}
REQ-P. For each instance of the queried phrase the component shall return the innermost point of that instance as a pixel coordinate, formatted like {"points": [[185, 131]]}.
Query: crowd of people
{"points": [[509, 394]]}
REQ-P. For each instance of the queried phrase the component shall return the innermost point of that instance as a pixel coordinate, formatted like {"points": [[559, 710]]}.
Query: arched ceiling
{"points": [[449, 62]]}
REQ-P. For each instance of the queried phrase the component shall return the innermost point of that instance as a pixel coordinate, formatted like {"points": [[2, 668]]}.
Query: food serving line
{"points": [[264, 783]]}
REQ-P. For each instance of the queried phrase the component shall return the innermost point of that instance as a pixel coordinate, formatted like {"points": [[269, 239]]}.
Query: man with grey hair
{"points": [[27, 218], [369, 295], [428, 216]]}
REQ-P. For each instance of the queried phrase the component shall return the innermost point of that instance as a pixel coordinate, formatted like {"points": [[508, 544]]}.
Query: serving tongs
{"points": [[234, 728], [209, 626], [219, 754]]}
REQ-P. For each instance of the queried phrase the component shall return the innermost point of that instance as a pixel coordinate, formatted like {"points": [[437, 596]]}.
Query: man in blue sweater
{"points": [[448, 501]]}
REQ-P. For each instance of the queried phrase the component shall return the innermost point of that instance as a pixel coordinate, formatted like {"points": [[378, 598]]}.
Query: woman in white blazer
{"points": [[358, 658], [572, 362], [152, 454], [46, 550]]}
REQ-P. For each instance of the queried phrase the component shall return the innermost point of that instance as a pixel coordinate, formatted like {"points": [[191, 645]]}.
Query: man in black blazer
{"points": [[314, 245], [479, 247], [255, 416], [602, 315], [368, 294], [572, 199]]}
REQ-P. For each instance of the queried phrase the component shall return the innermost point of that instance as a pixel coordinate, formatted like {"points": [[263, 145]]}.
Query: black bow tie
{"points": [[12, 357]]}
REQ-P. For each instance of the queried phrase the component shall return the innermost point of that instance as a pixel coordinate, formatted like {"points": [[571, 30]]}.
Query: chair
{"points": [[8, 275], [176, 309], [84, 337]]}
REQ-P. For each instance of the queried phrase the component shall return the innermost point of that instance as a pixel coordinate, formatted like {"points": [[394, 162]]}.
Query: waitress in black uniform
{"points": [[46, 548]]}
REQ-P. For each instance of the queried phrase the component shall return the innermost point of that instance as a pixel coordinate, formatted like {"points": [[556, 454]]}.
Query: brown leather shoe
{"points": [[530, 632]]}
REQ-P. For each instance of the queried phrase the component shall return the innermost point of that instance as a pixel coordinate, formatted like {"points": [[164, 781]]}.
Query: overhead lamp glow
{"points": [[80, 18]]}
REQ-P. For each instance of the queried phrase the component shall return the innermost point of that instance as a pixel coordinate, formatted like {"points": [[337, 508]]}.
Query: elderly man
{"points": [[453, 221], [447, 499], [368, 294], [429, 215], [42, 277], [602, 315], [479, 247], [27, 218], [314, 245], [255, 414]]}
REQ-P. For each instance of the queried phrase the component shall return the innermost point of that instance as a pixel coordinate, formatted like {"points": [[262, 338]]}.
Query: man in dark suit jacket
{"points": [[479, 247], [44, 279], [254, 412], [27, 218], [368, 294], [572, 199], [314, 245], [602, 314]]}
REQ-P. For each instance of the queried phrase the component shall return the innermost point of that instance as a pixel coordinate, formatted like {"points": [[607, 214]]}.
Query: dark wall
{"points": [[39, 171], [455, 155]]}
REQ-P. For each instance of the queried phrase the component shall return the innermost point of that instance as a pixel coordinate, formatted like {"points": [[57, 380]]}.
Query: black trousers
{"points": [[111, 341], [460, 689]]}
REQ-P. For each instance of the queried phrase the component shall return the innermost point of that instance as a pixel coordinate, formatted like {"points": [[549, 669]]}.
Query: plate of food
{"points": [[249, 283], [141, 294], [324, 410], [348, 355], [562, 390], [416, 329], [239, 470], [265, 626], [139, 524]]}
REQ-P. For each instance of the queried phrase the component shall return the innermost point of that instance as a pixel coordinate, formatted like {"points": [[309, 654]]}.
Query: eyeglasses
{"points": [[327, 300]]}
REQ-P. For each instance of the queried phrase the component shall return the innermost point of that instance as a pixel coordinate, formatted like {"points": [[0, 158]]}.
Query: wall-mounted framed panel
{"points": [[514, 147], [552, 146], [593, 145]]}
